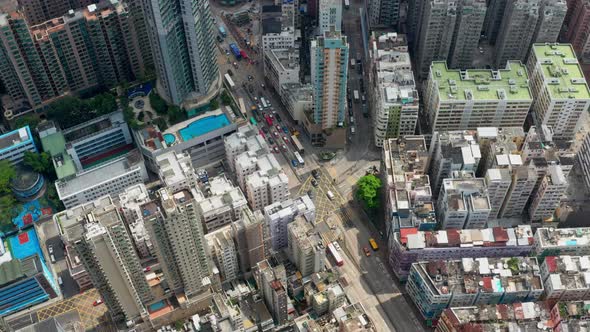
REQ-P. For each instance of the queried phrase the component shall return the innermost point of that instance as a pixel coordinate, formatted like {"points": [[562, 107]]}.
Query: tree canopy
{"points": [[30, 120], [7, 173], [39, 162], [367, 191], [7, 211], [158, 104], [70, 111]]}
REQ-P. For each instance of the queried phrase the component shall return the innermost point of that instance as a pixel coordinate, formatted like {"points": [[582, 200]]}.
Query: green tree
{"points": [[39, 162], [158, 104], [30, 120], [214, 104], [68, 111], [161, 123], [368, 191], [103, 103], [8, 211], [225, 98], [176, 114], [7, 173]]}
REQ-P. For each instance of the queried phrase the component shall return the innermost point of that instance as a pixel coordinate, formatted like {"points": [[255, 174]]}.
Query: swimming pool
{"points": [[169, 138], [203, 126], [157, 306]]}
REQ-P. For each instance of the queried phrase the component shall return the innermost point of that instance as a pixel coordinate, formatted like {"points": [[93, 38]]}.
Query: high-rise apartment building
{"points": [[279, 215], [272, 283], [219, 203], [394, 94], [384, 13], [463, 202], [85, 48], [452, 151], [516, 31], [251, 240], [468, 99], [39, 11], [435, 33], [559, 88], [177, 234], [470, 17], [183, 45], [106, 250], [576, 28], [223, 253], [330, 16], [514, 25], [329, 72], [562, 241], [546, 199], [306, 249]]}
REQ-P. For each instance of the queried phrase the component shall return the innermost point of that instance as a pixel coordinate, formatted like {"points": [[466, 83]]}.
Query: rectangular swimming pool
{"points": [[203, 126]]}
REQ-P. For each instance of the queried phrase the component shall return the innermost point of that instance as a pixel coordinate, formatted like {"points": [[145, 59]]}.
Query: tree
{"points": [[39, 162], [70, 111], [7, 173], [158, 104], [368, 191], [225, 98], [103, 103], [214, 104], [27, 120], [8, 212], [176, 114]]}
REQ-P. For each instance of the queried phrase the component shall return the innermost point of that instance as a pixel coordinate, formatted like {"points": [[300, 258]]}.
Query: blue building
{"points": [[25, 279], [14, 144]]}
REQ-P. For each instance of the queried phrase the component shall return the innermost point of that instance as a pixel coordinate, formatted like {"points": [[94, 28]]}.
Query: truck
{"points": [[222, 31], [235, 50]]}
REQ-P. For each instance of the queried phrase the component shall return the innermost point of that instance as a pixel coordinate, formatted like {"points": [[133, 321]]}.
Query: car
{"points": [[285, 130], [262, 85], [50, 249], [315, 173], [279, 128], [314, 182], [255, 99], [336, 245], [265, 130], [60, 281], [219, 39], [294, 162], [250, 77], [270, 141], [97, 302], [276, 133], [310, 193], [226, 52], [52, 258], [285, 139], [367, 252], [284, 147], [277, 116], [147, 269], [262, 133], [330, 195], [236, 65], [270, 115], [275, 149]]}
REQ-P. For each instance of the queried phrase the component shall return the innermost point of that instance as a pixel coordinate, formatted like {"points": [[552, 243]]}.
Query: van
{"points": [[330, 195]]}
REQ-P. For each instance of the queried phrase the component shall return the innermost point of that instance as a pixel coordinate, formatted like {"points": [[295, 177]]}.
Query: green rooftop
{"points": [[55, 145], [482, 84], [561, 70]]}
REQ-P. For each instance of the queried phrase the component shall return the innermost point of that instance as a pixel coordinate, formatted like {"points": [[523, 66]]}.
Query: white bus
{"points": [[264, 102], [229, 81], [299, 159], [356, 95], [242, 107], [297, 144]]}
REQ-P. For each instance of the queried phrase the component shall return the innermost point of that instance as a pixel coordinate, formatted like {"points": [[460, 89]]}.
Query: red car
{"points": [[275, 133], [262, 133], [367, 252], [275, 150], [97, 302], [285, 139]]}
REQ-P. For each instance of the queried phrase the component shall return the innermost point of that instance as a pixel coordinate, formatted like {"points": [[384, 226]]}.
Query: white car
{"points": [[50, 249], [336, 245]]}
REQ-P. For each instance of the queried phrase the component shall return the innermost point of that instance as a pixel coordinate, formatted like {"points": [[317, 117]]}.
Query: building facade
{"points": [[14, 144], [183, 45], [576, 28], [306, 249], [329, 72], [279, 215]]}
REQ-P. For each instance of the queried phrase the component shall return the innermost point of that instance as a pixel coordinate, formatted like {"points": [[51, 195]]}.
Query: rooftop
{"points": [[563, 237], [412, 239], [568, 272], [562, 73], [96, 176], [525, 316], [482, 84], [460, 146], [15, 138], [486, 275], [287, 59], [466, 193], [55, 144]]}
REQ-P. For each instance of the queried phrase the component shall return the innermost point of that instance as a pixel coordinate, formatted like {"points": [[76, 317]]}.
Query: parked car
{"points": [[50, 249], [315, 173], [52, 258], [336, 245], [284, 147], [367, 252], [275, 150], [314, 182], [294, 162], [97, 302]]}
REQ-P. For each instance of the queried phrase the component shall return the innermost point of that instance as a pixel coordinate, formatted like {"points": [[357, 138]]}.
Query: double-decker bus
{"points": [[335, 254], [298, 158], [297, 144]]}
